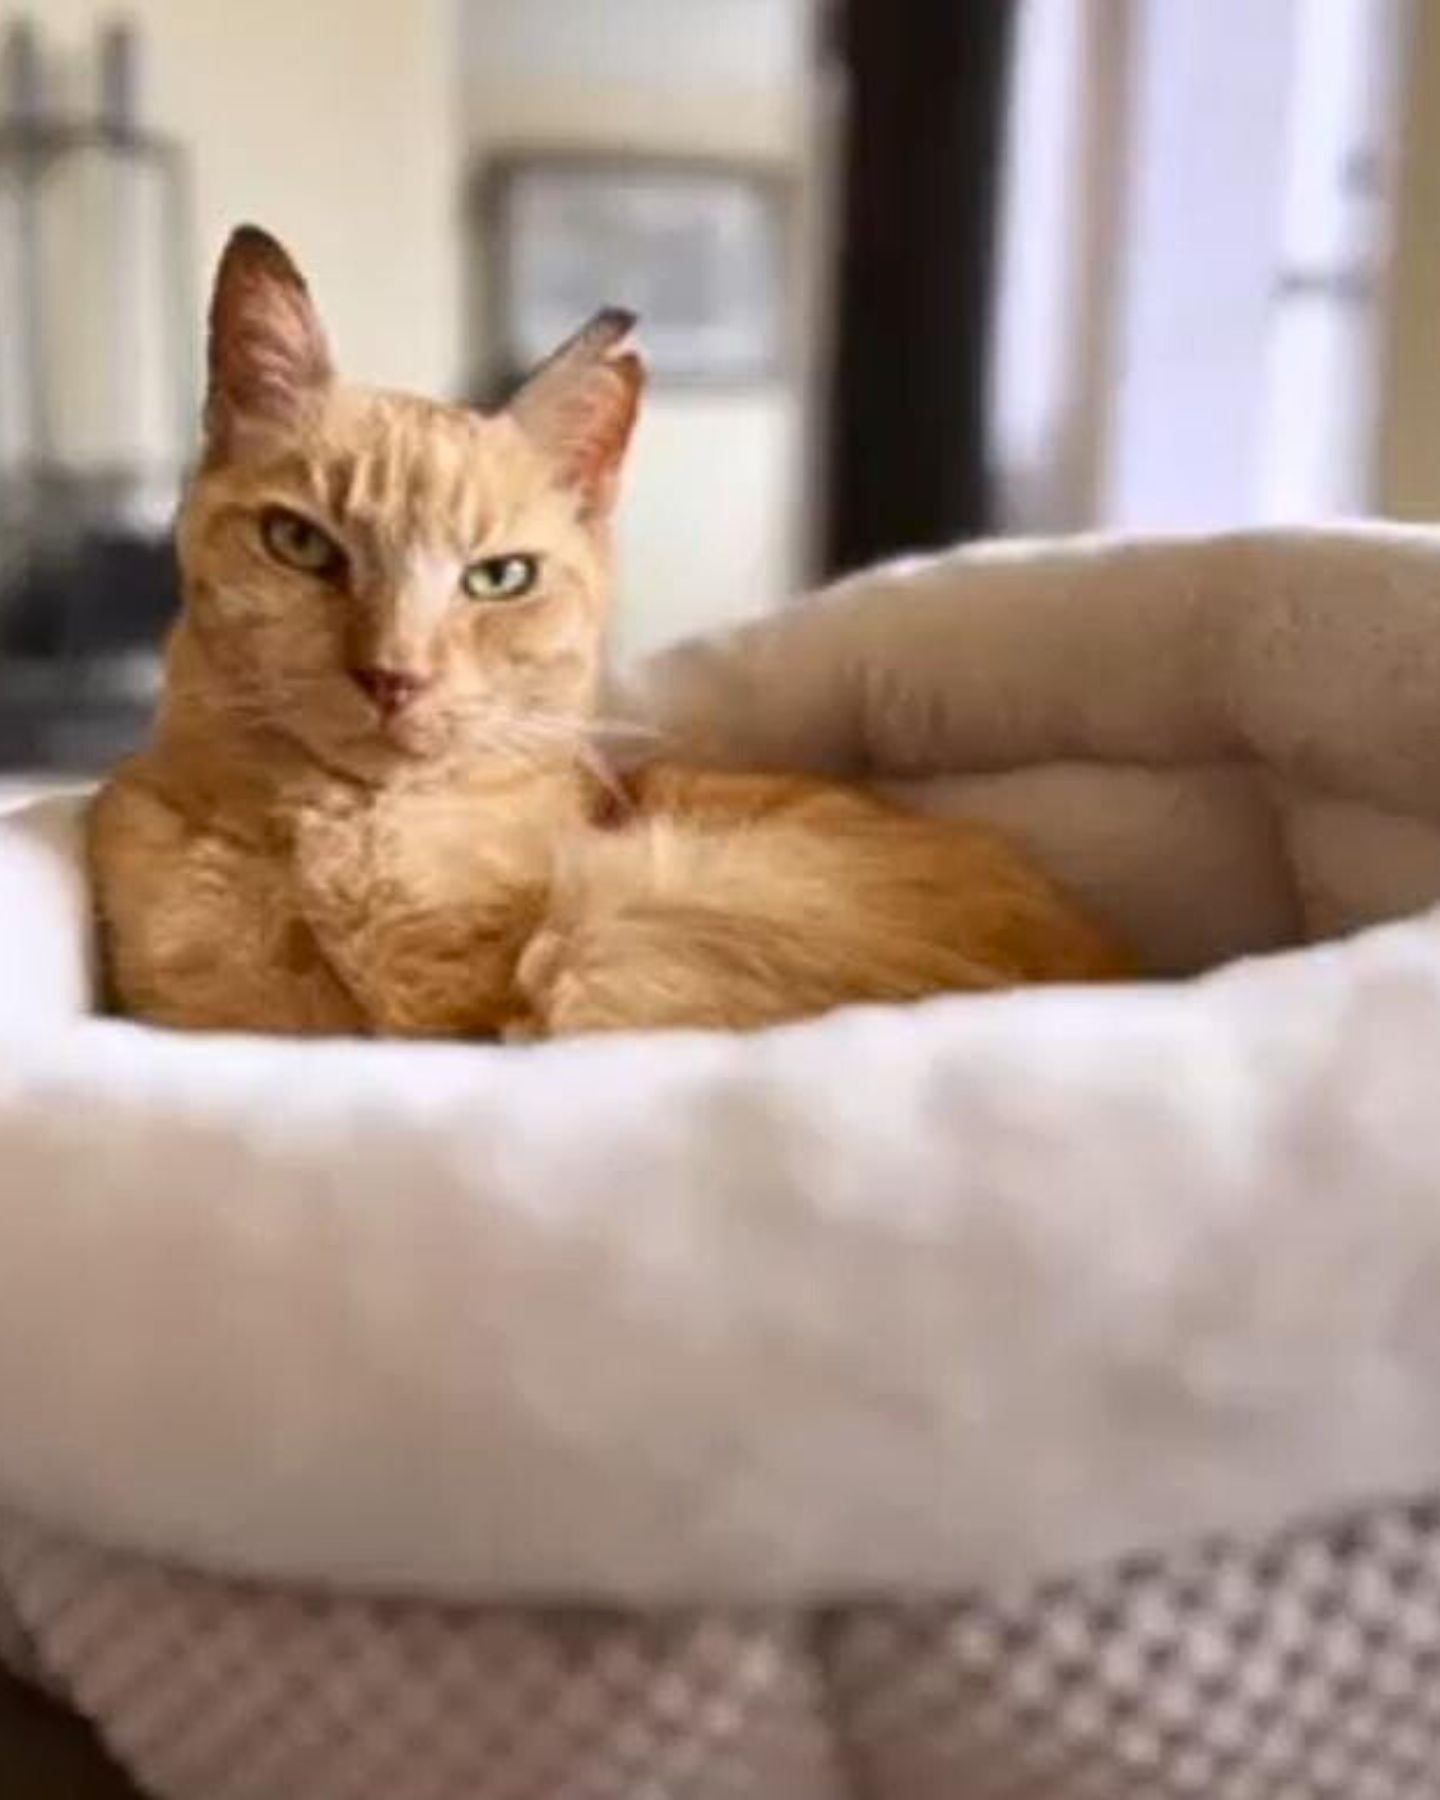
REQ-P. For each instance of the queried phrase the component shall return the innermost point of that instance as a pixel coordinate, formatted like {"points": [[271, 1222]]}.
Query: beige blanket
{"points": [[1229, 743]]}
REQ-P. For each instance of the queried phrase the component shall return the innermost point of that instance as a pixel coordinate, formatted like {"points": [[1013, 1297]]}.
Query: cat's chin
{"points": [[371, 757]]}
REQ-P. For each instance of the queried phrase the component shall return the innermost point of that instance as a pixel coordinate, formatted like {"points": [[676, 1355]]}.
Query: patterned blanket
{"points": [[1308, 1668]]}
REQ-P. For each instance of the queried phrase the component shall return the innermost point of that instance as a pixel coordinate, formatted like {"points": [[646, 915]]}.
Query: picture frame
{"points": [[700, 248]]}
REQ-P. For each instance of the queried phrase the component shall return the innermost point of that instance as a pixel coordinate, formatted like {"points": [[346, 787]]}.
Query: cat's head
{"points": [[377, 576]]}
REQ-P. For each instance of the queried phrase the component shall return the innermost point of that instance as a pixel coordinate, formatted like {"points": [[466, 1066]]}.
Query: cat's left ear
{"points": [[269, 358], [580, 406]]}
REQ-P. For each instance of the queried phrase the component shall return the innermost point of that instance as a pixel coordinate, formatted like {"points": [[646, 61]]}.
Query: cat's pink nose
{"points": [[392, 690]]}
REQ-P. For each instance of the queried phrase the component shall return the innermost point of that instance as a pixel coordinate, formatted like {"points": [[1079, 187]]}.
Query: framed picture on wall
{"points": [[699, 249]]}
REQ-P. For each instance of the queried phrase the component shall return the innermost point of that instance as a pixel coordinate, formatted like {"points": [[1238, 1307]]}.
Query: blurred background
{"points": [[910, 270]]}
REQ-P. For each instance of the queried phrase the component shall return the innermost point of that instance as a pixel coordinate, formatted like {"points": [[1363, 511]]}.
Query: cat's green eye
{"points": [[300, 544], [501, 577]]}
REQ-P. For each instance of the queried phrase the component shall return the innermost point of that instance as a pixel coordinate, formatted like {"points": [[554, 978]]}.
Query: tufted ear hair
{"points": [[580, 406], [268, 355]]}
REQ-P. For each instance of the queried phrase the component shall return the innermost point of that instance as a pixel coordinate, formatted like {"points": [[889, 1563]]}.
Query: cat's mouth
{"points": [[415, 735], [371, 744]]}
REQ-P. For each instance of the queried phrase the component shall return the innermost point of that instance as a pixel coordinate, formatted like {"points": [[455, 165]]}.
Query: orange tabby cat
{"points": [[370, 804]]}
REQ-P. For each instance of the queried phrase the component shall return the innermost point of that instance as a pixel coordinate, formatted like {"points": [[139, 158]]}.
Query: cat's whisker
{"points": [[626, 728], [616, 730], [557, 728]]}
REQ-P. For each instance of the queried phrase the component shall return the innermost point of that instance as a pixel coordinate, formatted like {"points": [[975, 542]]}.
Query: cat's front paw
{"points": [[538, 974], [562, 990]]}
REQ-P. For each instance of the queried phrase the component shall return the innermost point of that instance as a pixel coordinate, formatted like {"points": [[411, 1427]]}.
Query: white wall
{"points": [[710, 526], [1321, 451], [1193, 268], [1208, 141], [1064, 186]]}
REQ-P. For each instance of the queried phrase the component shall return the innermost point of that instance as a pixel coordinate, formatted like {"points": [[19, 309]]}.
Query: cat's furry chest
{"points": [[422, 895], [430, 844]]}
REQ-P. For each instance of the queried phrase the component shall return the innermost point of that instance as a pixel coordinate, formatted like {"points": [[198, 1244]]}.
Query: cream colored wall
{"points": [[1410, 396], [345, 127], [711, 525], [332, 123]]}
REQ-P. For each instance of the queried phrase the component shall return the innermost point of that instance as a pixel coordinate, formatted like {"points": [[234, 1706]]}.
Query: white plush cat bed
{"points": [[893, 1306]]}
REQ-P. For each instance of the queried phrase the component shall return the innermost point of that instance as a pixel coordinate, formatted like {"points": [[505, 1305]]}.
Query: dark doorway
{"points": [[926, 85]]}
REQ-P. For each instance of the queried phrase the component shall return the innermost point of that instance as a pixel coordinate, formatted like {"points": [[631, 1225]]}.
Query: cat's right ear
{"points": [[269, 359], [579, 406]]}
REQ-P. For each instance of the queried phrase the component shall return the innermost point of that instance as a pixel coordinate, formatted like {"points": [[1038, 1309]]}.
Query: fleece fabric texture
{"points": [[898, 1301]]}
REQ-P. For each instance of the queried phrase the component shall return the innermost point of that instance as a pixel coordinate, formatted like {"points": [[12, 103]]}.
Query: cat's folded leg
{"points": [[643, 936]]}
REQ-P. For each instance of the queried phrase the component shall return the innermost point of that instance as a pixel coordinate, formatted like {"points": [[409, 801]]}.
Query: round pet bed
{"points": [[814, 1352]]}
